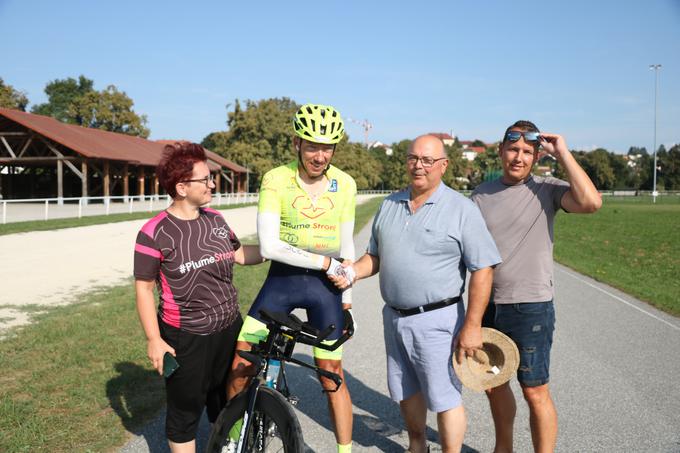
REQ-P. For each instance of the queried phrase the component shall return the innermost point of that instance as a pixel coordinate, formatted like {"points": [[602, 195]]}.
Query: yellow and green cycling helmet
{"points": [[319, 124]]}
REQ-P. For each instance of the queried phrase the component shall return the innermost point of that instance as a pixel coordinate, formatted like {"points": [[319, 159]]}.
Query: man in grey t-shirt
{"points": [[423, 241], [519, 210]]}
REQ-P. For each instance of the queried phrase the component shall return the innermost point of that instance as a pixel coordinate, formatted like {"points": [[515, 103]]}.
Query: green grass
{"points": [[630, 244], [55, 224], [78, 379]]}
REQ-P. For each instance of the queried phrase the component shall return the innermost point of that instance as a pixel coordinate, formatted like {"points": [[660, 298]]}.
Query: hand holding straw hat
{"points": [[492, 365]]}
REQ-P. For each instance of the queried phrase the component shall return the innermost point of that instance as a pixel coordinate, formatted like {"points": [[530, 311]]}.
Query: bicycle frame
{"points": [[285, 331]]}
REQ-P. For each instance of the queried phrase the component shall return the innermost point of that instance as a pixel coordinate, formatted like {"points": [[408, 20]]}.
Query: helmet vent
{"points": [[313, 124]]}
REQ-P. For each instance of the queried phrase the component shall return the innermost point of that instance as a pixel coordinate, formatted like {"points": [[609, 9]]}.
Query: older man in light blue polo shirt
{"points": [[423, 241]]}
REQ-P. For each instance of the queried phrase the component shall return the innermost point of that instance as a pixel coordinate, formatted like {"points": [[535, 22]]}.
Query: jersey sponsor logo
{"points": [[289, 238], [294, 226], [221, 232], [334, 186], [321, 226], [216, 258], [311, 211]]}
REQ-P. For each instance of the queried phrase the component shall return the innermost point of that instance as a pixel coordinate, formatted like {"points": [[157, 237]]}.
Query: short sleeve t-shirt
{"points": [[311, 225], [424, 255], [520, 218], [192, 263]]}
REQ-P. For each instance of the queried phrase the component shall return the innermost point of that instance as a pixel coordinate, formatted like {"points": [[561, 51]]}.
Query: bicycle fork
{"points": [[247, 420]]}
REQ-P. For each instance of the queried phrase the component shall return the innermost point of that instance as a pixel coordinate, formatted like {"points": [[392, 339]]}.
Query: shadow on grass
{"points": [[137, 396]]}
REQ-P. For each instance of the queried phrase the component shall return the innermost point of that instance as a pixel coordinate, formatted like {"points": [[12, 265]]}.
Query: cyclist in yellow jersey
{"points": [[305, 223]]}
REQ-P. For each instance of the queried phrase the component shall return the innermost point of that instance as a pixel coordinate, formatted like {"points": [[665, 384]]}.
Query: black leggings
{"points": [[201, 379]]}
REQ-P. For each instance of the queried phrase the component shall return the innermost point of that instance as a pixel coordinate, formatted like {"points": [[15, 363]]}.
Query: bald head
{"points": [[426, 163], [430, 143]]}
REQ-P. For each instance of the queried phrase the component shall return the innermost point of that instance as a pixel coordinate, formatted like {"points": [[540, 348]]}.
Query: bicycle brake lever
{"points": [[250, 357], [325, 333]]}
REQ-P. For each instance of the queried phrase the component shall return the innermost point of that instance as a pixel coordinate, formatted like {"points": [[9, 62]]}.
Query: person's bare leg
{"points": [[542, 418], [503, 410], [339, 403], [414, 413], [241, 371], [184, 447], [452, 425]]}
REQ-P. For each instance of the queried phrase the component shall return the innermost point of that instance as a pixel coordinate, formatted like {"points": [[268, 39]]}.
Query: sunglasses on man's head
{"points": [[513, 136]]}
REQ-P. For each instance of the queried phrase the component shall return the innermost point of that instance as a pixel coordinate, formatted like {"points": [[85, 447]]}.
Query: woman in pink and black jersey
{"points": [[188, 252]]}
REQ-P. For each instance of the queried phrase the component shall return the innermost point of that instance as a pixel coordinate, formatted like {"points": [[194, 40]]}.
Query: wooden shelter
{"points": [[41, 157]]}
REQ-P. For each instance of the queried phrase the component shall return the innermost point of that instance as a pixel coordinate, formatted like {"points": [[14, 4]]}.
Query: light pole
{"points": [[655, 68]]}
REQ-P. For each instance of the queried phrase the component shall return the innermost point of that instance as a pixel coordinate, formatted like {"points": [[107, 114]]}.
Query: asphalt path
{"points": [[614, 378]]}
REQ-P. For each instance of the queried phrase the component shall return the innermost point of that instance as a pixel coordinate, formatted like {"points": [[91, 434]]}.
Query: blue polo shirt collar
{"points": [[405, 196]]}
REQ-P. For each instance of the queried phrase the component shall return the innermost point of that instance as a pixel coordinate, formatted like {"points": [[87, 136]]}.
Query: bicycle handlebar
{"points": [[303, 332]]}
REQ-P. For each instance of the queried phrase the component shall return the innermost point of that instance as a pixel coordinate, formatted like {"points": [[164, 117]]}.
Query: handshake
{"points": [[341, 273]]}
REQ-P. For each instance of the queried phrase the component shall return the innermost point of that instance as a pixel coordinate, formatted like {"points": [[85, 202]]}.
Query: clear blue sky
{"points": [[579, 68]]}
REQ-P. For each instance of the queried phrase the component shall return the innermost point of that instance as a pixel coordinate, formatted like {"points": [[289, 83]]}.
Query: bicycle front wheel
{"points": [[274, 426]]}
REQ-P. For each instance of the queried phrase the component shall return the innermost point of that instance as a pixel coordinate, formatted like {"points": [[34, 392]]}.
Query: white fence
{"points": [[61, 208]]}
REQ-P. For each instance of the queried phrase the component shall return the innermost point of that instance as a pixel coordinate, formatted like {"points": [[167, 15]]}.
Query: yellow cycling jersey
{"points": [[311, 225]]}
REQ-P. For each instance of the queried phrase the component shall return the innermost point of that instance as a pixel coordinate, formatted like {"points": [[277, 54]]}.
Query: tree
{"points": [[61, 94], [634, 151], [110, 110], [360, 163], [596, 164], [393, 174], [486, 166], [670, 168], [620, 170], [458, 168], [259, 136], [11, 98]]}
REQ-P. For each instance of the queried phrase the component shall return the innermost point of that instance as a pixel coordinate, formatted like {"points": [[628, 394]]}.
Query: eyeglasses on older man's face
{"points": [[427, 161]]}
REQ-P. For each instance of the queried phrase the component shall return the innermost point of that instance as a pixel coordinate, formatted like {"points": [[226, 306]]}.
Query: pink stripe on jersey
{"points": [[147, 250], [170, 307], [149, 227]]}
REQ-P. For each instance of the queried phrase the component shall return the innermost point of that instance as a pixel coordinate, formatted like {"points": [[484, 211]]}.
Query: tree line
{"points": [[77, 102], [258, 135]]}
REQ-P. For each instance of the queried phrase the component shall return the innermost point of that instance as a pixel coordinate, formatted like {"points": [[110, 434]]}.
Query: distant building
{"points": [[380, 145], [471, 152], [448, 139]]}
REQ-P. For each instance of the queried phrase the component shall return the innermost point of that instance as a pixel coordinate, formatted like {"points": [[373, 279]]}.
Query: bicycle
{"points": [[269, 423]]}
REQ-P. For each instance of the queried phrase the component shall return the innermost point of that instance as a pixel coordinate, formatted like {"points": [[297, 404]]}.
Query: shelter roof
{"points": [[213, 156], [99, 144]]}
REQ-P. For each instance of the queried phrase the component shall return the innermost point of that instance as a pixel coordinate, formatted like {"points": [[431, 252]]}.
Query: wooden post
{"points": [[218, 182], [140, 182], [60, 182], [107, 178], [126, 181], [83, 170], [156, 185]]}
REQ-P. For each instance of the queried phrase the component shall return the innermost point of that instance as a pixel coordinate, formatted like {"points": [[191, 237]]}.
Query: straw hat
{"points": [[492, 365]]}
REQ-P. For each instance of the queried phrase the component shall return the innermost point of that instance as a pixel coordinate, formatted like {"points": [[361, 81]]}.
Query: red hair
{"points": [[177, 164]]}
